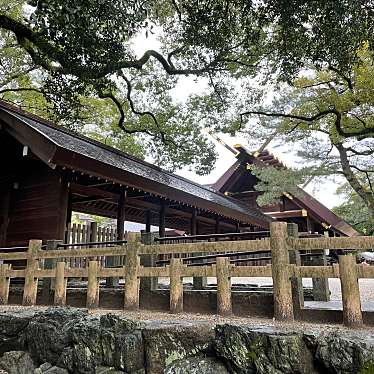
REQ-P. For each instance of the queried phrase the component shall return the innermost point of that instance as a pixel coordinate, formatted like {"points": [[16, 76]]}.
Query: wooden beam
{"points": [[130, 202], [92, 191], [140, 204], [288, 213]]}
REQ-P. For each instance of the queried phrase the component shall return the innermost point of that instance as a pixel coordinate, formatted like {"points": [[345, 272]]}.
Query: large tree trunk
{"points": [[367, 196]]}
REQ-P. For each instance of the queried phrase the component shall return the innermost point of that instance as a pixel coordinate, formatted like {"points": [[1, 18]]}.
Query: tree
{"points": [[330, 115], [67, 51], [354, 211]]}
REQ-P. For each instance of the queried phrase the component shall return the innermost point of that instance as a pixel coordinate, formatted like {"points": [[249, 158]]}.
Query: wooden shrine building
{"points": [[48, 171], [311, 216]]}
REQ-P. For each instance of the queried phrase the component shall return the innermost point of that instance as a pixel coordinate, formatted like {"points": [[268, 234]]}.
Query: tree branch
{"points": [[43, 52], [346, 134], [367, 197]]}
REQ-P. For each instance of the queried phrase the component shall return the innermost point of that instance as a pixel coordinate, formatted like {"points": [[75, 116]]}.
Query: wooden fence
{"points": [[79, 233], [83, 235], [280, 243]]}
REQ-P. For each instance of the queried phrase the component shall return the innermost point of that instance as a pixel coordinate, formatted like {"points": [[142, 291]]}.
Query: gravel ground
{"points": [[366, 291], [366, 285], [157, 319]]}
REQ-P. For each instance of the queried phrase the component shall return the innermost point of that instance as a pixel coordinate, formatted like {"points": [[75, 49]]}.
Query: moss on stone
{"points": [[253, 350]]}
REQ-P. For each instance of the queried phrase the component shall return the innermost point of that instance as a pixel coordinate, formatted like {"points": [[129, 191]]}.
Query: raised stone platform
{"points": [[69, 340]]}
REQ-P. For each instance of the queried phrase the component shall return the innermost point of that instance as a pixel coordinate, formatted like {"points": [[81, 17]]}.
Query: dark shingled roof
{"points": [[304, 199], [69, 144]]}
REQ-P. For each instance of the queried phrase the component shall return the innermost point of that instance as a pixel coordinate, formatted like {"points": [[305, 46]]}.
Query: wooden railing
{"points": [[280, 244], [88, 236], [80, 233]]}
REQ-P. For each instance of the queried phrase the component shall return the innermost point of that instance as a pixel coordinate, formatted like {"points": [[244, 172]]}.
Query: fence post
{"points": [[49, 263], [93, 285], [224, 306], [132, 264], [352, 315], [283, 307], [4, 283], [60, 284], [30, 289], [176, 285], [296, 282], [150, 283]]}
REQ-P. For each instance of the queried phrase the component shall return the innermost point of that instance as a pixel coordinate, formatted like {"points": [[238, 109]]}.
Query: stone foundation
{"points": [[69, 340]]}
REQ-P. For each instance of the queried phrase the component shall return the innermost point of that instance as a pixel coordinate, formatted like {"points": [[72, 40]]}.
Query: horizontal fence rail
{"points": [[278, 247], [90, 244], [227, 236]]}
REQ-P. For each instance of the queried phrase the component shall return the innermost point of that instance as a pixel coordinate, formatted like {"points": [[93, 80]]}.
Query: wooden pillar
{"points": [[113, 261], [60, 284], [69, 212], [321, 290], [30, 288], [193, 229], [121, 214], [93, 232], [161, 224], [176, 285], [198, 282], [62, 208], [148, 220], [4, 211], [216, 228], [283, 307], [148, 260], [131, 277], [296, 282], [4, 283], [224, 307], [309, 225], [237, 227], [352, 315], [93, 285]]}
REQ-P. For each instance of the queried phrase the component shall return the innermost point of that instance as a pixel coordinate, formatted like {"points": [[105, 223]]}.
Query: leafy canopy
{"points": [[61, 58], [328, 116]]}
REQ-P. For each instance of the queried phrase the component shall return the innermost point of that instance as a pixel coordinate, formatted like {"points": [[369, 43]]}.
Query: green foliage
{"points": [[274, 182], [75, 62], [368, 368], [354, 211], [327, 117]]}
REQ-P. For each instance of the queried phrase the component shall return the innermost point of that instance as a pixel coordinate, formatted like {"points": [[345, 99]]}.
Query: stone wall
{"points": [[68, 340]]}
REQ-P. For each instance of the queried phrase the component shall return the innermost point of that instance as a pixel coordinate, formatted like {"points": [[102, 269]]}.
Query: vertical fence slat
{"points": [[73, 240]]}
